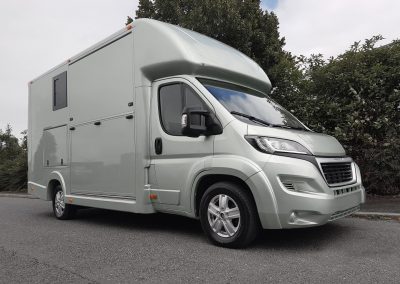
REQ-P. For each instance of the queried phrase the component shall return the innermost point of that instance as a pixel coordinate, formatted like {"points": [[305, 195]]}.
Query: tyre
{"points": [[228, 215], [62, 210]]}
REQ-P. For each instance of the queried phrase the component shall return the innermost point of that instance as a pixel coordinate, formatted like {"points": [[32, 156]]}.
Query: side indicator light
{"points": [[153, 196], [70, 200], [129, 27]]}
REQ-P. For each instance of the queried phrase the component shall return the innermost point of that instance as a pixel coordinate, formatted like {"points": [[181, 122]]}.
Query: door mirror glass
{"points": [[197, 121], [194, 122]]}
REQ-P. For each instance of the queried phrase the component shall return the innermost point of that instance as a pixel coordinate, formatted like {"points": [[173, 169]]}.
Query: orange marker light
{"points": [[153, 196], [129, 27]]}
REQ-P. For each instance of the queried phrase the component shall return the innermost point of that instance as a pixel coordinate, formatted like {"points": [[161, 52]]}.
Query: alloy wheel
{"points": [[223, 215]]}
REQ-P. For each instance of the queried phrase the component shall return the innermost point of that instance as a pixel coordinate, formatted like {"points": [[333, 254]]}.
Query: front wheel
{"points": [[228, 215], [62, 210]]}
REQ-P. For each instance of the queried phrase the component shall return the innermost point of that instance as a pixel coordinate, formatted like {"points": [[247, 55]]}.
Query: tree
{"points": [[13, 161], [9, 147]]}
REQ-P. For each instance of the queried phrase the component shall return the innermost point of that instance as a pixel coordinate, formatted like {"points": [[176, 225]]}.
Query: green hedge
{"points": [[356, 98]]}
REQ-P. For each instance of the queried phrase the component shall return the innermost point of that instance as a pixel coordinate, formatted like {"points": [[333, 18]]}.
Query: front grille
{"points": [[344, 213], [337, 172]]}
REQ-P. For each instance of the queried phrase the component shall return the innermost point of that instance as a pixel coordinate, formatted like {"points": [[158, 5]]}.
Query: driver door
{"points": [[175, 157]]}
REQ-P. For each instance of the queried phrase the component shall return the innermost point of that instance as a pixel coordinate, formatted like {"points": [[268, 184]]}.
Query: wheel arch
{"points": [[205, 181], [55, 179], [257, 185]]}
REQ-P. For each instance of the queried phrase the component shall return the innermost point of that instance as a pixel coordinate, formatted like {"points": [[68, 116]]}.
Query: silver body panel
{"points": [[100, 148]]}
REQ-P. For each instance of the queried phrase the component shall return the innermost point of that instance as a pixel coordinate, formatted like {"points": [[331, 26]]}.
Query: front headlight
{"points": [[272, 145]]}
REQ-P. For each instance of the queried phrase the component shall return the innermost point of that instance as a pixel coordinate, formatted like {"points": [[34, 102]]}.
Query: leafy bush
{"points": [[356, 98], [13, 162]]}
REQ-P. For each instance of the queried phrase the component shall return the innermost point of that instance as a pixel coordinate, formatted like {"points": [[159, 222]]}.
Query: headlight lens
{"points": [[271, 145]]}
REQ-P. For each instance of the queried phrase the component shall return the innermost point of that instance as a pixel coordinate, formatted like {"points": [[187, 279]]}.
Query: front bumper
{"points": [[302, 196]]}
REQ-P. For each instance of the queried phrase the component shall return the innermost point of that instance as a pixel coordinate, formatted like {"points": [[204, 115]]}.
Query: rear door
{"points": [[175, 157], [103, 158]]}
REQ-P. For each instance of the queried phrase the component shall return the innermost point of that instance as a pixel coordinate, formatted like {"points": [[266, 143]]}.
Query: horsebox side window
{"points": [[173, 98], [60, 91]]}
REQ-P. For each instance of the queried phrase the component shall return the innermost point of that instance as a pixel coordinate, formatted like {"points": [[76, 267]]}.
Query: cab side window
{"points": [[173, 98]]}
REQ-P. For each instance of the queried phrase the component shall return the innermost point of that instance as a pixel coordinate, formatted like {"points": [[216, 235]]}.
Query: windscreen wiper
{"points": [[250, 117], [259, 120], [288, 127]]}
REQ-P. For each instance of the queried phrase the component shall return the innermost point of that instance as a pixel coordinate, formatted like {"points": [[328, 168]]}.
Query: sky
{"points": [[37, 35], [329, 27]]}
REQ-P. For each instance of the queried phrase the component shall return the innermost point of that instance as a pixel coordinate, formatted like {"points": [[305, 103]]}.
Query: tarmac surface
{"points": [[101, 246], [383, 204]]}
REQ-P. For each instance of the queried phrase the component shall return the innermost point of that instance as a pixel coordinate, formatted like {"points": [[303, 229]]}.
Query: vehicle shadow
{"points": [[140, 222], [293, 239]]}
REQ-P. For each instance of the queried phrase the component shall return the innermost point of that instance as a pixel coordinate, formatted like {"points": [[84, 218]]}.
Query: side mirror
{"points": [[196, 122]]}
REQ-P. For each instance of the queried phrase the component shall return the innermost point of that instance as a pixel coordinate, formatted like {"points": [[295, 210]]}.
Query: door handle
{"points": [[158, 145], [129, 116], [97, 123], [72, 128]]}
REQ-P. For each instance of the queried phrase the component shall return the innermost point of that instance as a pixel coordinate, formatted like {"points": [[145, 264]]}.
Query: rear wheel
{"points": [[62, 210], [228, 215]]}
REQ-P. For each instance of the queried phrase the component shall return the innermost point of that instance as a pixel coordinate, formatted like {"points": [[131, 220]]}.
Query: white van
{"points": [[157, 118]]}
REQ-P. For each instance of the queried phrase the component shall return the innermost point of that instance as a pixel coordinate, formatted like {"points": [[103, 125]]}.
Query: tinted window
{"points": [[191, 99], [172, 100], [60, 91]]}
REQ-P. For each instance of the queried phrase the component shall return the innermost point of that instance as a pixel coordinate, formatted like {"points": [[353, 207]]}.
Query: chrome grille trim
{"points": [[343, 213], [342, 191]]}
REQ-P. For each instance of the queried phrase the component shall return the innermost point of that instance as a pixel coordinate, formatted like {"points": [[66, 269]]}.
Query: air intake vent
{"points": [[337, 173], [289, 185]]}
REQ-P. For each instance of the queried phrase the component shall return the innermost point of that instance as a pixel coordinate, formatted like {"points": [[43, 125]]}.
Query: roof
{"points": [[163, 50]]}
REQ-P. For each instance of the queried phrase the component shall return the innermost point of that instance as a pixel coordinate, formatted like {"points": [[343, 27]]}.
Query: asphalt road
{"points": [[383, 204], [106, 246]]}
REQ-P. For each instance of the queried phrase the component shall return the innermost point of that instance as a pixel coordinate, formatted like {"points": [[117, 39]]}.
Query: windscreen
{"points": [[250, 103]]}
